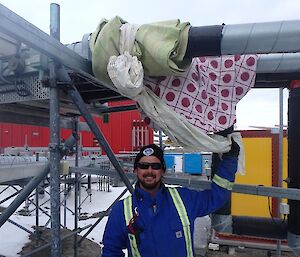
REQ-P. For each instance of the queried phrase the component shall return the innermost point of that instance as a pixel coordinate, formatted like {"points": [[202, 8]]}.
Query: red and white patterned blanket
{"points": [[207, 94]]}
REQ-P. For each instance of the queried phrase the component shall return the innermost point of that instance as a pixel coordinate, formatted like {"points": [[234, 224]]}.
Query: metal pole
{"points": [[77, 175], [280, 160], [102, 215], [32, 184], [160, 139], [11, 196], [20, 226], [54, 166], [62, 238], [288, 193], [26, 191], [55, 21], [75, 96], [54, 141], [80, 104], [65, 203], [37, 214]]}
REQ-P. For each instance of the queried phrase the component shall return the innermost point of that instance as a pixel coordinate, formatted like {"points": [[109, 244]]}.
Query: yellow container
{"points": [[261, 156]]}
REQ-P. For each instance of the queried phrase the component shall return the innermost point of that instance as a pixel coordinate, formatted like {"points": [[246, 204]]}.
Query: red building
{"points": [[125, 132]]}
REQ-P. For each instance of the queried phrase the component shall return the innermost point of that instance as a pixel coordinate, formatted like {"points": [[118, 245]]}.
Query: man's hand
{"points": [[234, 151]]}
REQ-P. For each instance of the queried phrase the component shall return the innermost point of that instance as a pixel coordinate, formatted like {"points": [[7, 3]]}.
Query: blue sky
{"points": [[259, 108]]}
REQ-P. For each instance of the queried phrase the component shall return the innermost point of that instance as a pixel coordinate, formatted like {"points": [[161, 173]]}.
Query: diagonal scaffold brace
{"points": [[63, 77]]}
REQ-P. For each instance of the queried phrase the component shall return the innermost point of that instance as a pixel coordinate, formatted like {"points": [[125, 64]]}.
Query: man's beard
{"points": [[150, 186]]}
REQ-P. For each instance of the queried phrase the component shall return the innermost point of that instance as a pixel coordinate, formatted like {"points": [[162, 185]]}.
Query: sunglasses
{"points": [[146, 165]]}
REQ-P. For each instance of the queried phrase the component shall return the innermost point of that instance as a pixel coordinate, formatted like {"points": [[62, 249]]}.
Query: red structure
{"points": [[125, 132]]}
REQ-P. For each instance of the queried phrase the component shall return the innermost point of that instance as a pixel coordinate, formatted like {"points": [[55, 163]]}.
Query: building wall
{"points": [[117, 131]]}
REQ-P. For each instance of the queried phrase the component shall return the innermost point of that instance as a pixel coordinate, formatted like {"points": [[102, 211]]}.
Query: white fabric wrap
{"points": [[126, 73], [127, 37]]}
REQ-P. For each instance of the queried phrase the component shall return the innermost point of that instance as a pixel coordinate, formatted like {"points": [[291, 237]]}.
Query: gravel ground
{"points": [[244, 252], [89, 248]]}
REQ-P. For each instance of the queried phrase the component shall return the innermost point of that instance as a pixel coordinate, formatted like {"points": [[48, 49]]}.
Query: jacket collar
{"points": [[143, 195]]}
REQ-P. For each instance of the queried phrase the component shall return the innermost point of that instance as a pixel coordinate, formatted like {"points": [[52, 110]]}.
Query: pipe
{"points": [[32, 184], [259, 227], [293, 168], [266, 37], [204, 40], [278, 63], [266, 63], [250, 38], [221, 223], [273, 228], [241, 242]]}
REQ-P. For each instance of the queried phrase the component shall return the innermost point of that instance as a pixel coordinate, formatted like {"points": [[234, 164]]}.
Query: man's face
{"points": [[149, 176]]}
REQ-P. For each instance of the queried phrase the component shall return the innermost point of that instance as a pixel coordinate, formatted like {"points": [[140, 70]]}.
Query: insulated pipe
{"points": [[294, 168], [259, 227], [266, 63], [250, 226], [278, 63], [208, 40], [266, 37], [251, 38]]}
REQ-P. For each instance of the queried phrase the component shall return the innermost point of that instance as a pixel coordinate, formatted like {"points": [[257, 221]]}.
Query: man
{"points": [[158, 221]]}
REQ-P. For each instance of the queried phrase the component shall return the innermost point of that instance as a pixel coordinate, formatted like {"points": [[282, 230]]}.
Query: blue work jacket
{"points": [[159, 221]]}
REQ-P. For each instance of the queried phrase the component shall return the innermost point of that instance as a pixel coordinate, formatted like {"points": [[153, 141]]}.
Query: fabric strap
{"points": [[223, 182], [127, 37]]}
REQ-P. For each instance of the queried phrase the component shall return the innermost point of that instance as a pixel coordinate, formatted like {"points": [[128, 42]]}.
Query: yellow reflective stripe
{"points": [[184, 219], [133, 245], [128, 215], [222, 182], [128, 209]]}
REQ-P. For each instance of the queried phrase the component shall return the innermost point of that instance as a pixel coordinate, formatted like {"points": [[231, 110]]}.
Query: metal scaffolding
{"points": [[58, 84]]}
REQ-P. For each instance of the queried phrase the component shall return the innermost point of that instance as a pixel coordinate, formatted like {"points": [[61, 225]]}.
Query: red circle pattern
{"points": [[208, 92]]}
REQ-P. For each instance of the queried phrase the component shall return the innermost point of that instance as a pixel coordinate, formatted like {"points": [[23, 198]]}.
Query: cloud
{"points": [[260, 107]]}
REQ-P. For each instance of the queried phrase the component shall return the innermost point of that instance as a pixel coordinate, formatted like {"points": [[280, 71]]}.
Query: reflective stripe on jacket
{"points": [[161, 229], [183, 218]]}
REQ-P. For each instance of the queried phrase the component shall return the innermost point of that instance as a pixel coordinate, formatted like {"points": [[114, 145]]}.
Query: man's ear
{"points": [[135, 170]]}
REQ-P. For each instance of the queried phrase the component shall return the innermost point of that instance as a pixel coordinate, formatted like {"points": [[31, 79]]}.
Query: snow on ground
{"points": [[12, 238]]}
